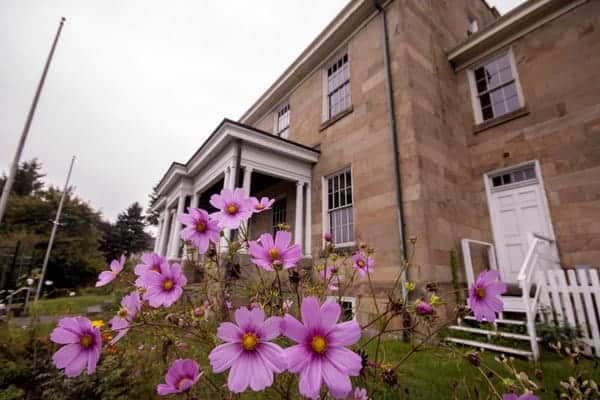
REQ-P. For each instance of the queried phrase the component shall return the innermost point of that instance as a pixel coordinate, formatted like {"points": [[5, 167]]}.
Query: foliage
{"points": [[69, 305], [455, 278], [75, 257], [151, 214], [28, 178], [127, 235]]}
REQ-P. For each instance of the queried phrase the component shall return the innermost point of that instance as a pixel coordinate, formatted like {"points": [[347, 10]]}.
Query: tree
{"points": [[27, 179], [127, 235], [75, 259], [151, 215]]}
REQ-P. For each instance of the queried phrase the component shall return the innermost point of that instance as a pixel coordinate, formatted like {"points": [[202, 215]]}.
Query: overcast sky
{"points": [[137, 84]]}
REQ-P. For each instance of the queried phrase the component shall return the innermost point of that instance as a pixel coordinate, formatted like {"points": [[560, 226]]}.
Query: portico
{"points": [[233, 156]]}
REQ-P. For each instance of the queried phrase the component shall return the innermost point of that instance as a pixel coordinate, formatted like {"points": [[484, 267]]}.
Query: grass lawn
{"points": [[69, 305], [440, 374]]}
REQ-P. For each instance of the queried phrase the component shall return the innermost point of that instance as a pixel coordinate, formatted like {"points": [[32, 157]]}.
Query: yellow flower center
{"points": [[168, 284], [232, 209], [249, 341], [274, 253], [97, 323], [123, 312], [260, 206], [360, 263], [200, 227], [480, 293], [181, 382], [318, 344], [86, 341]]}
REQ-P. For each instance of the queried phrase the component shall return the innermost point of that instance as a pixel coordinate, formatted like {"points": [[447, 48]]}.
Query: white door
{"points": [[518, 207]]}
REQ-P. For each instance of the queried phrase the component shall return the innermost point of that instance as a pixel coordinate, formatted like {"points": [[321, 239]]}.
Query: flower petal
{"points": [[311, 378], [222, 356], [344, 334], [330, 314], [337, 382], [239, 376], [273, 356], [269, 329], [311, 312], [229, 332], [293, 329]]}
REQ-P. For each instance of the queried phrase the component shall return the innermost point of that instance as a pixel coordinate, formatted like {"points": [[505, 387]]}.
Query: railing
{"points": [[541, 256], [468, 260], [12, 295]]}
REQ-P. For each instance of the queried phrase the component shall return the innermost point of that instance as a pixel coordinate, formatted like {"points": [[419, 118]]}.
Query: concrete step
{"points": [[500, 321], [479, 331], [489, 346]]}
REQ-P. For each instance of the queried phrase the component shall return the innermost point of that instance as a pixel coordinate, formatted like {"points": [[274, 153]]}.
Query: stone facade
{"points": [[443, 154], [442, 157]]}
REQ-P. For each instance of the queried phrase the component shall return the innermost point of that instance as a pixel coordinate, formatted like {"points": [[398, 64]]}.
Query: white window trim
{"points": [[286, 131], [348, 299], [324, 93], [325, 208], [473, 86]]}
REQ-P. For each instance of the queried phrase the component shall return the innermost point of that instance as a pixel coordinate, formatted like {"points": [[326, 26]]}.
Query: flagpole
{"points": [[15, 164], [55, 224]]}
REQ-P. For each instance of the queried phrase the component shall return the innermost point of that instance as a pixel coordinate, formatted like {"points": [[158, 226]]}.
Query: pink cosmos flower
{"points": [[83, 344], [149, 262], [483, 300], [181, 376], [267, 252], [165, 287], [526, 396], [330, 276], [259, 206], [327, 236], [202, 311], [107, 277], [363, 264], [130, 305], [234, 208], [424, 308], [200, 230], [248, 351], [320, 355], [360, 394]]}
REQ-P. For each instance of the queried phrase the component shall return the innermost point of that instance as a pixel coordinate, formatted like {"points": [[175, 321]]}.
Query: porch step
{"points": [[489, 346], [479, 331], [500, 321]]}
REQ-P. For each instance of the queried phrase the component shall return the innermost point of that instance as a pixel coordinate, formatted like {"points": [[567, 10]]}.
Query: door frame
{"points": [[496, 234]]}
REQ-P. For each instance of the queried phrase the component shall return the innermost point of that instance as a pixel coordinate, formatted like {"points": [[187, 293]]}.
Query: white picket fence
{"points": [[573, 297]]}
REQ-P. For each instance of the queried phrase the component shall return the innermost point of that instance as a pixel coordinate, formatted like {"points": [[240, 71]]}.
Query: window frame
{"points": [[475, 95], [325, 203], [326, 111], [283, 133]]}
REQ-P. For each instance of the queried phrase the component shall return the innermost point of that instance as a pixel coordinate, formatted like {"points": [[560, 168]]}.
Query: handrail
{"points": [[468, 261], [12, 295]]}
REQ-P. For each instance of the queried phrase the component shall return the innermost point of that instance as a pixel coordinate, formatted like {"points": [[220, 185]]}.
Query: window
{"points": [[283, 121], [279, 213], [496, 87], [348, 305], [338, 86], [339, 207], [508, 178]]}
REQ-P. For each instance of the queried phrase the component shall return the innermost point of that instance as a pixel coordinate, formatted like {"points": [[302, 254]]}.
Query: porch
{"points": [[234, 156]]}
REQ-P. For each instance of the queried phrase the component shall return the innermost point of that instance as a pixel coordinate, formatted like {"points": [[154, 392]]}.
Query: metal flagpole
{"points": [[15, 164], [55, 224]]}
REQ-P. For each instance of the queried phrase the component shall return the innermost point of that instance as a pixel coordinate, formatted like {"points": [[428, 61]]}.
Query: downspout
{"points": [[394, 141]]}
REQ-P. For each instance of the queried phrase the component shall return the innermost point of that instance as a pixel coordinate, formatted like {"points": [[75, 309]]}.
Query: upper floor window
{"points": [[338, 86], [496, 88], [283, 121], [340, 210]]}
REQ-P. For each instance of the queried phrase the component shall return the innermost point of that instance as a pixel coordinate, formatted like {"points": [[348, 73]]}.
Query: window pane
{"points": [[497, 97], [512, 104], [509, 90], [530, 173], [479, 74], [487, 113], [503, 62], [481, 86], [499, 109], [485, 100], [497, 181], [349, 196], [506, 75]]}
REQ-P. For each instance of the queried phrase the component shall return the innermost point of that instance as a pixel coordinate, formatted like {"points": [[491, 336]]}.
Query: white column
{"points": [[194, 201], [163, 233], [176, 227], [308, 222], [158, 233], [247, 180], [299, 210], [226, 178]]}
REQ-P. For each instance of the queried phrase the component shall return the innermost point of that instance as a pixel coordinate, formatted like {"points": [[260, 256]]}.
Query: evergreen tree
{"points": [[127, 235], [28, 178], [152, 216]]}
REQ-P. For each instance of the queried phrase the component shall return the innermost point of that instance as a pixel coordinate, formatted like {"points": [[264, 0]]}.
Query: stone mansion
{"points": [[436, 119]]}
